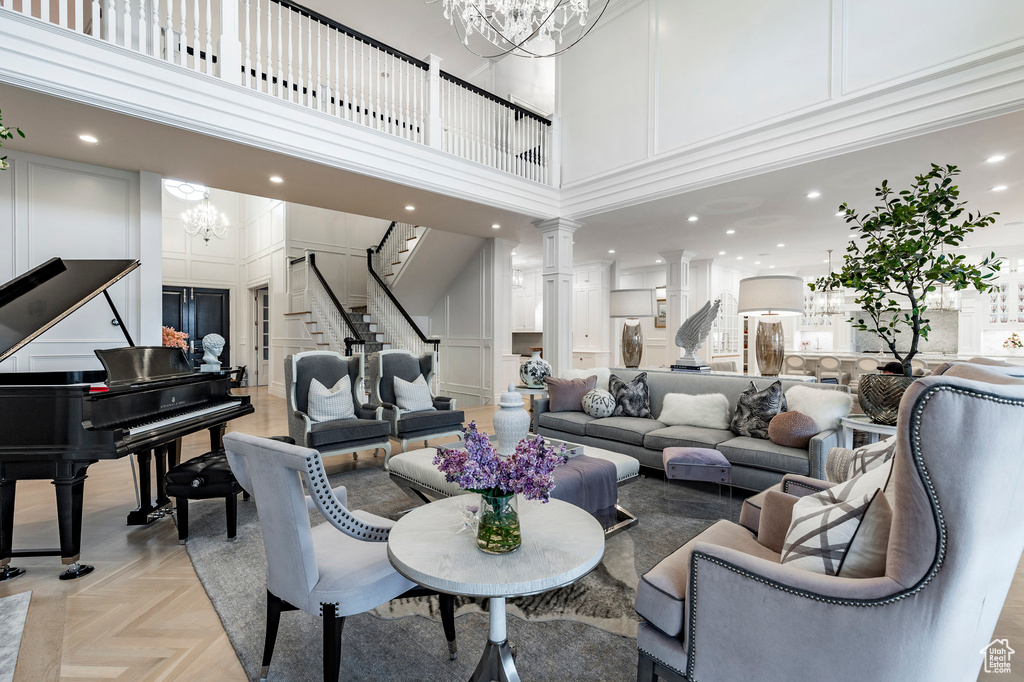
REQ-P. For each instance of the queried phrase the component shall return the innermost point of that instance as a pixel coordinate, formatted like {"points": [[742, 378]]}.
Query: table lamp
{"points": [[632, 304], [771, 297]]}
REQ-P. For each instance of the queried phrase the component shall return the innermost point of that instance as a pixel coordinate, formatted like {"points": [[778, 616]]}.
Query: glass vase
{"points": [[498, 526]]}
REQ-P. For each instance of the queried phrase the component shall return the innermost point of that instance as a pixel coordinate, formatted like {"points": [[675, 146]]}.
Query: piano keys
{"points": [[53, 425]]}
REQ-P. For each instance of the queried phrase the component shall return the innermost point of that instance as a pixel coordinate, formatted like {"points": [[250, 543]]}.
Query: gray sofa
{"points": [[756, 464]]}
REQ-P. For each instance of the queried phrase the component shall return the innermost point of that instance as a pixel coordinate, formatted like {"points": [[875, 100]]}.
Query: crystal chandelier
{"points": [[517, 278], [519, 26], [830, 301], [205, 220]]}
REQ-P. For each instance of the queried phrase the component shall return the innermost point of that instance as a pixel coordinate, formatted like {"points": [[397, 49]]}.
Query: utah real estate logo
{"points": [[997, 656]]}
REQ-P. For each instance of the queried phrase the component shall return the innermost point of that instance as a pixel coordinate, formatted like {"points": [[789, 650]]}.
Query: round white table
{"points": [[561, 544], [532, 392], [862, 422]]}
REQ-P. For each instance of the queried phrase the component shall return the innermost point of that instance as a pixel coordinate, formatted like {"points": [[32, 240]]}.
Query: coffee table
{"points": [[561, 544], [862, 422]]}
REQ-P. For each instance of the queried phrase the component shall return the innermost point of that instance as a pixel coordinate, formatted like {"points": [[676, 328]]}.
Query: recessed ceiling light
{"points": [[730, 231], [692, 219], [513, 253], [825, 261], [739, 257], [999, 188], [495, 226], [658, 261], [813, 195], [276, 179], [771, 267], [757, 262], [995, 159], [88, 138], [410, 207], [721, 253], [840, 214], [611, 250], [780, 245]]}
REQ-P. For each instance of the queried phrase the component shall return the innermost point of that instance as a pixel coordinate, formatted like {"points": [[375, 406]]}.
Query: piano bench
{"points": [[203, 478]]}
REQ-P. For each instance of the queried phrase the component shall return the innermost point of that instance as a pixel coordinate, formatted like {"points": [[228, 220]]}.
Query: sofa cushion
{"points": [[415, 423], [661, 594], [345, 430], [685, 437], [623, 429], [570, 422], [764, 454]]}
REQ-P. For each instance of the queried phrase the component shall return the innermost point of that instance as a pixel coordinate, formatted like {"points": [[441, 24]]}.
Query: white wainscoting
{"points": [[52, 207]]}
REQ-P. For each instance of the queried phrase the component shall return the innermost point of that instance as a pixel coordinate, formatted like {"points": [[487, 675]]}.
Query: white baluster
{"points": [[80, 6], [323, 85], [169, 33], [141, 30], [154, 43], [247, 76], [183, 35], [126, 37], [349, 110], [109, 21], [62, 13], [291, 81], [259, 50], [279, 85], [44, 9], [362, 81]]}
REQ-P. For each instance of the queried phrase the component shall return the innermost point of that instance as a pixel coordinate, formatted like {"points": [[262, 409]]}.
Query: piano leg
{"points": [[7, 572], [144, 514], [69, 523], [161, 455], [217, 437]]}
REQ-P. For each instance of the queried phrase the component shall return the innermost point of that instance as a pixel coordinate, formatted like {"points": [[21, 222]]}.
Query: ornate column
{"points": [[556, 273], [677, 291]]}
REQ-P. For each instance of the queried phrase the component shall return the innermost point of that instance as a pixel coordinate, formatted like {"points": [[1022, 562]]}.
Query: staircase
{"points": [[366, 329]]}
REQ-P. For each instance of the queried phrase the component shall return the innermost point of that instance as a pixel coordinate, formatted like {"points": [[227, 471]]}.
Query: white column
{"points": [[151, 254], [435, 126], [556, 273], [677, 290], [229, 46], [504, 365]]}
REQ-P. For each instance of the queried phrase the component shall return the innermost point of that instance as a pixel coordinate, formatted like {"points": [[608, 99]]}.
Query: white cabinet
{"points": [[590, 322], [528, 304]]}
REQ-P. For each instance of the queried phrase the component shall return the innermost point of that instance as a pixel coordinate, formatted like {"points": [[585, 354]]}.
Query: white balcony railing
{"points": [[287, 51]]}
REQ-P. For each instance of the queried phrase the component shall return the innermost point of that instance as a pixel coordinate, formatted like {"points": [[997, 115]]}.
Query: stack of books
{"points": [[690, 368]]}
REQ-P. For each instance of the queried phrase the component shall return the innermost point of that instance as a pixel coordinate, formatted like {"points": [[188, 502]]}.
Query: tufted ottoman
{"points": [[697, 464]]}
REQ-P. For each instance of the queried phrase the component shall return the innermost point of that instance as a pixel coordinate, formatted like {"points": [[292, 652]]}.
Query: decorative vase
{"points": [[632, 343], [770, 345], [880, 396], [498, 526], [534, 370], [511, 421]]}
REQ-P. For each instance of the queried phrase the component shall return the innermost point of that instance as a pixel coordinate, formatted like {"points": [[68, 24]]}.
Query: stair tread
{"points": [[404, 251], [300, 312]]}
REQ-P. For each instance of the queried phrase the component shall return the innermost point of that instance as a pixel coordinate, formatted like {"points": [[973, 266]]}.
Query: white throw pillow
{"points": [[711, 410], [603, 374], [413, 397], [825, 407], [330, 404], [843, 530]]}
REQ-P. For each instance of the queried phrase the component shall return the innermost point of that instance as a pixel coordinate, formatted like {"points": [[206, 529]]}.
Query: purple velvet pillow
{"points": [[566, 395]]}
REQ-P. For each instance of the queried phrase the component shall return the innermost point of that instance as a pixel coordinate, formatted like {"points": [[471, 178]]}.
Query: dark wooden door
{"points": [[198, 312]]}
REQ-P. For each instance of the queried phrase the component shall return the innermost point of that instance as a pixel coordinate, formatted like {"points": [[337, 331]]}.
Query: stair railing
{"points": [[328, 313], [388, 254]]}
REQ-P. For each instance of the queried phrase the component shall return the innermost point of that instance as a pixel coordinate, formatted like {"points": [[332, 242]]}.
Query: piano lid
{"points": [[141, 364], [35, 301]]}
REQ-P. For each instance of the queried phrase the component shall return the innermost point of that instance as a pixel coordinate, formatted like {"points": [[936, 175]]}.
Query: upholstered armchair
{"points": [[438, 420], [333, 570], [723, 607], [365, 431]]}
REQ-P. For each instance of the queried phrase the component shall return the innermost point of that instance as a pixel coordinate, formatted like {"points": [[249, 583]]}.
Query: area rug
{"points": [[13, 612], [588, 627]]}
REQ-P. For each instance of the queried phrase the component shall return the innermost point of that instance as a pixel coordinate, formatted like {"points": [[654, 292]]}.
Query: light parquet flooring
{"points": [[143, 614]]}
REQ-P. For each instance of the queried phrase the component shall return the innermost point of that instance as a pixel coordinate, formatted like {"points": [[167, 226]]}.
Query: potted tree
{"points": [[896, 259]]}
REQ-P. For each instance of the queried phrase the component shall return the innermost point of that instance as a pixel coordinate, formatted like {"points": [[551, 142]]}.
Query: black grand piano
{"points": [[53, 425]]}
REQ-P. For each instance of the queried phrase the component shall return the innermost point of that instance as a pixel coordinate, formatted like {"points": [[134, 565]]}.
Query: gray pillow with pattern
{"points": [[755, 410], [632, 399]]}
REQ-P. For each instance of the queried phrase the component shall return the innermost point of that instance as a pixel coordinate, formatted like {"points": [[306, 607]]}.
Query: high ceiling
{"points": [[773, 208]]}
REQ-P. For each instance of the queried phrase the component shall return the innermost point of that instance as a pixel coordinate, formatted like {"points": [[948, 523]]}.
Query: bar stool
{"points": [[795, 364]]}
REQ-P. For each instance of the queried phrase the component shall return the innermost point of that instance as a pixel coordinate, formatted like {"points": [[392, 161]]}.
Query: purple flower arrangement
{"points": [[528, 471]]}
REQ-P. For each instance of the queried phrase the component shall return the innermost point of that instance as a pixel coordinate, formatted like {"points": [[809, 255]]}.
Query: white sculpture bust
{"points": [[213, 346]]}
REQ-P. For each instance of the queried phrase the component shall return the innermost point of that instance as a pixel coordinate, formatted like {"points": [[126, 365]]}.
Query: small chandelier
{"points": [[940, 299], [517, 278], [830, 301], [513, 25], [205, 220]]}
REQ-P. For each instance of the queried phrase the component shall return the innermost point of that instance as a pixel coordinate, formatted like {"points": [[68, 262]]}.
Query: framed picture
{"points": [[662, 318]]}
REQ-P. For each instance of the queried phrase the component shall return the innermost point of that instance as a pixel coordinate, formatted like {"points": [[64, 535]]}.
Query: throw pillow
{"points": [[599, 404], [756, 408], [825, 525], [602, 374], [632, 399], [710, 411], [414, 396], [566, 395], [330, 404], [843, 464], [792, 429], [826, 408]]}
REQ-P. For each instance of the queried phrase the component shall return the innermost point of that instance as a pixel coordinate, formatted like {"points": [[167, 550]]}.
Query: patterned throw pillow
{"points": [[825, 525], [330, 404], [632, 399], [413, 397], [755, 410], [843, 464], [599, 404]]}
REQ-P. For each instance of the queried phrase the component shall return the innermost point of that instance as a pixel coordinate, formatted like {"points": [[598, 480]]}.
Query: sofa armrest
{"points": [[444, 403], [367, 412], [776, 515], [391, 413], [800, 486], [540, 406], [340, 493], [817, 451]]}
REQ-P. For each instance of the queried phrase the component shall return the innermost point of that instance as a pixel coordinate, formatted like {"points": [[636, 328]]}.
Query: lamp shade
{"points": [[771, 295], [633, 303]]}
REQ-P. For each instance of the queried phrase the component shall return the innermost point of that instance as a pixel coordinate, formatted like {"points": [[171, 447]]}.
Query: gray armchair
{"points": [[365, 431], [336, 569], [443, 420], [722, 607]]}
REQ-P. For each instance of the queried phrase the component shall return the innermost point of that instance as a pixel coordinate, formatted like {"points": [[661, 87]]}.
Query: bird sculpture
{"points": [[695, 330]]}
